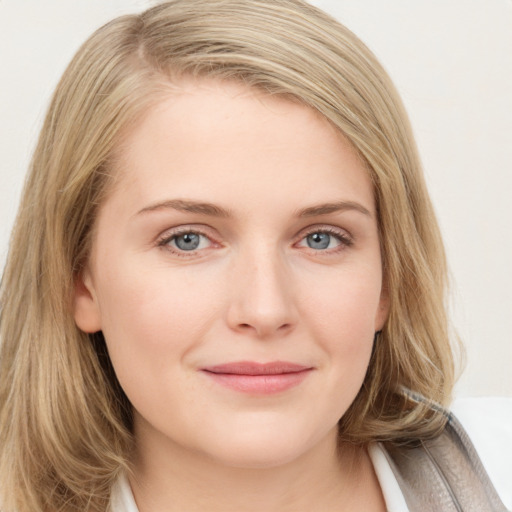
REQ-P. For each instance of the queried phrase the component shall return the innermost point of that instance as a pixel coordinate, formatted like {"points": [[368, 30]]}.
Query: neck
{"points": [[330, 477]]}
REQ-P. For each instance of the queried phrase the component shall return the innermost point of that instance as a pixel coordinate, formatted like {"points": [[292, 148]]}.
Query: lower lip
{"points": [[259, 384]]}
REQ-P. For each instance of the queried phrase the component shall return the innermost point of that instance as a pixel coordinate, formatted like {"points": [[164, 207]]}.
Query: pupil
{"points": [[187, 242], [318, 240]]}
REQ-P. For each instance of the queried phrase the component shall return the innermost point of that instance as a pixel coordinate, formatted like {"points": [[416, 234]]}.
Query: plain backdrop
{"points": [[452, 63]]}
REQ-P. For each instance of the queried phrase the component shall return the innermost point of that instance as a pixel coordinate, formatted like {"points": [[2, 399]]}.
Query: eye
{"points": [[325, 240], [321, 241], [186, 241]]}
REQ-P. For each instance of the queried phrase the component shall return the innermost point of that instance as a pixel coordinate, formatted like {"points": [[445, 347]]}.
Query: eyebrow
{"points": [[213, 210], [188, 206], [327, 208]]}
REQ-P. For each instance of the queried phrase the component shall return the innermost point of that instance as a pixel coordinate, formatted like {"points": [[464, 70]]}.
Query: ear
{"points": [[86, 309], [383, 309]]}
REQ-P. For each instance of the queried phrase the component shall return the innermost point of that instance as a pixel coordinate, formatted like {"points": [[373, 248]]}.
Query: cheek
{"points": [[151, 323], [346, 306], [343, 320], [154, 299], [153, 317]]}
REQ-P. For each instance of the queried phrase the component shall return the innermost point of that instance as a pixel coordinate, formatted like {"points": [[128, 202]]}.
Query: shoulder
{"points": [[488, 423]]}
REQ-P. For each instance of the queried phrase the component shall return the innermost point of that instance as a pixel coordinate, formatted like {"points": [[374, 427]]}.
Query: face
{"points": [[236, 275]]}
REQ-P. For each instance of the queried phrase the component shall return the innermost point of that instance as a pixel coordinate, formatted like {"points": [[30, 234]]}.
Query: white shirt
{"points": [[488, 421]]}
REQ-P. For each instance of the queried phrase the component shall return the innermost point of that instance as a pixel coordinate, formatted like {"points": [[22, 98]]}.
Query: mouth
{"points": [[258, 378]]}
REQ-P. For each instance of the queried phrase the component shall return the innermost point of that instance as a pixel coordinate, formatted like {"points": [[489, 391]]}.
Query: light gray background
{"points": [[451, 61]]}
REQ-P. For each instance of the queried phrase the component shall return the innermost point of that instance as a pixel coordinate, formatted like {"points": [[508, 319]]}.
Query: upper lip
{"points": [[253, 368]]}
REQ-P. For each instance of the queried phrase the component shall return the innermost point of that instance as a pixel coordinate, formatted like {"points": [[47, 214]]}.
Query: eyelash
{"points": [[344, 239]]}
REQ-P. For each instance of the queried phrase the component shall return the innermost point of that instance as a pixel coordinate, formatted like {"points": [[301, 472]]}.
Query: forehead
{"points": [[210, 137]]}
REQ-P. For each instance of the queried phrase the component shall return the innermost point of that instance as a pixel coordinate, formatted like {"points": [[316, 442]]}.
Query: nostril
{"points": [[263, 330]]}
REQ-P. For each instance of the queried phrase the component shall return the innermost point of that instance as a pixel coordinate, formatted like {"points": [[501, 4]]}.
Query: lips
{"points": [[258, 378]]}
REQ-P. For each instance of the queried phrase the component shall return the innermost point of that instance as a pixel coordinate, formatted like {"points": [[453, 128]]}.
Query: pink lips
{"points": [[257, 378]]}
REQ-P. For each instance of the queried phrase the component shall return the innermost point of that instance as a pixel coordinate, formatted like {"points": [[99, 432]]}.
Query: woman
{"points": [[225, 289]]}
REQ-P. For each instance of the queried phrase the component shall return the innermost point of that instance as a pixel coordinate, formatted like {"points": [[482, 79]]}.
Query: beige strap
{"points": [[444, 474]]}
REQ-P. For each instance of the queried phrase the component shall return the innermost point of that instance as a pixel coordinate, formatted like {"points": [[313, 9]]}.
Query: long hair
{"points": [[65, 423]]}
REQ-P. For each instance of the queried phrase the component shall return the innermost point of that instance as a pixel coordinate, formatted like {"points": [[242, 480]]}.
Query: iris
{"points": [[318, 240], [187, 241]]}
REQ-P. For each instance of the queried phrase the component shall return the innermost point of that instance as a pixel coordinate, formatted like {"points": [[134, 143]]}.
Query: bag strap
{"points": [[444, 474]]}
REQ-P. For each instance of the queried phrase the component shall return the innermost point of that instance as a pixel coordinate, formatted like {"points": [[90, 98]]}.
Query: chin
{"points": [[265, 448], [257, 458]]}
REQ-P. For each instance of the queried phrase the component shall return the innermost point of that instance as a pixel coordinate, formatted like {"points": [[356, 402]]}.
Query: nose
{"points": [[263, 301]]}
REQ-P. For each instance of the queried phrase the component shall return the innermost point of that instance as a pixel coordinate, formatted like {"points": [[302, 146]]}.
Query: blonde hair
{"points": [[65, 423]]}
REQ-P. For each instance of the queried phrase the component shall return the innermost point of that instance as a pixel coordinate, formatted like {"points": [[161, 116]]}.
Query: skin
{"points": [[253, 290]]}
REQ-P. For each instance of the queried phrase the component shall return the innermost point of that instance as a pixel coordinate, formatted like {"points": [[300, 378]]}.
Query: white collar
{"points": [[122, 497], [393, 496]]}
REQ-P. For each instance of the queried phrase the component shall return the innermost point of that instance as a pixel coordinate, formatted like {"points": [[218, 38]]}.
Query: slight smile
{"points": [[258, 378]]}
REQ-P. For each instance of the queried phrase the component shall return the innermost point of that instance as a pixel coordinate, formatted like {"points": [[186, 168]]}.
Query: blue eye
{"points": [[187, 241], [322, 240], [319, 241]]}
